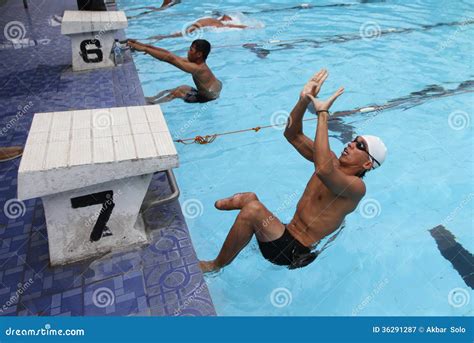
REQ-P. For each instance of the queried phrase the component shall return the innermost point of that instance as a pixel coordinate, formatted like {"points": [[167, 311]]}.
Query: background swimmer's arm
{"points": [[294, 130], [235, 26], [160, 37]]}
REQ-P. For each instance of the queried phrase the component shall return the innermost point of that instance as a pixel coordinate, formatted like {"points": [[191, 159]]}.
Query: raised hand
{"points": [[313, 86], [324, 105]]}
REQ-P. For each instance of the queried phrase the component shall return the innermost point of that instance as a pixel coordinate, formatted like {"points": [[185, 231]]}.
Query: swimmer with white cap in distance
{"points": [[333, 191]]}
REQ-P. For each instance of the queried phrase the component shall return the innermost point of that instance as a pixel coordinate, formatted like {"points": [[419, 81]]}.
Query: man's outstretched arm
{"points": [[164, 55]]}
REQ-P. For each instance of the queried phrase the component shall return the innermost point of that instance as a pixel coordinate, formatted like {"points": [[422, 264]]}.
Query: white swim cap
{"points": [[377, 150]]}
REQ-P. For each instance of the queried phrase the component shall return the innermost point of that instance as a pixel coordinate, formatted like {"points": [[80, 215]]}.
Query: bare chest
{"points": [[318, 199]]}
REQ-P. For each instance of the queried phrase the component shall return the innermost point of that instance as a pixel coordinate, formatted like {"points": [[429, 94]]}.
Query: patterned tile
{"points": [[13, 251], [50, 280], [117, 296], [39, 78], [12, 288], [67, 303], [111, 266]]}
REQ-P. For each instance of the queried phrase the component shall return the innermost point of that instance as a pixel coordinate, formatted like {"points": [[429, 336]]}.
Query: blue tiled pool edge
{"points": [[162, 278]]}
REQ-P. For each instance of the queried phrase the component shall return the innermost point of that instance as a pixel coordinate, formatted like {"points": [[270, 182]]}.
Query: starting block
{"points": [[92, 36], [92, 169]]}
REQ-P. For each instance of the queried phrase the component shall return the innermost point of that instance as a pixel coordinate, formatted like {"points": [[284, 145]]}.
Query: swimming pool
{"points": [[385, 261]]}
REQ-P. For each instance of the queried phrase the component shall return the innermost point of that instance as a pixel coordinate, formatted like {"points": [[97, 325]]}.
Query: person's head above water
{"points": [[199, 50], [364, 153]]}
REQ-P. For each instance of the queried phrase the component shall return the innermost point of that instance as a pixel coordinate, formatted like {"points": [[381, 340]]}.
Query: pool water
{"points": [[385, 261]]}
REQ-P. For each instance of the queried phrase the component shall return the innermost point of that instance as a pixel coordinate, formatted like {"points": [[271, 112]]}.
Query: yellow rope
{"points": [[211, 138], [207, 139]]}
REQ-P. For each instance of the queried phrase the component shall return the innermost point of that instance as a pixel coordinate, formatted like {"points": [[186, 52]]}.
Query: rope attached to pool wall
{"points": [[207, 139], [406, 102], [211, 138]]}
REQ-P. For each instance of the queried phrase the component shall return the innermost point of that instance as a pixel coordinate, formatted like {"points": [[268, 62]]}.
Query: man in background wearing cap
{"points": [[333, 191]]}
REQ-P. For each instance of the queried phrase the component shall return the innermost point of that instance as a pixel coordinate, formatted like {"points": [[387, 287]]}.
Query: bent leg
{"points": [[153, 99], [178, 92], [254, 218], [235, 202]]}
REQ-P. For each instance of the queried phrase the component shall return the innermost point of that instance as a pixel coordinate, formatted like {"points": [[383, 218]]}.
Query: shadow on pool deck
{"points": [[162, 278]]}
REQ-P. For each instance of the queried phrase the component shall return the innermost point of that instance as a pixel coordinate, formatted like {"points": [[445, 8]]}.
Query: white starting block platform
{"points": [[92, 36], [92, 169]]}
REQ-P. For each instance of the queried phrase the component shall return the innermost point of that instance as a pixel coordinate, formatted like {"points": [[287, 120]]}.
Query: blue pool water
{"points": [[385, 262]]}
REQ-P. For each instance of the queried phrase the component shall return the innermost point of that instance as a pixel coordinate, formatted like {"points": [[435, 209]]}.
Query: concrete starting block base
{"points": [[92, 168], [92, 37], [111, 209]]}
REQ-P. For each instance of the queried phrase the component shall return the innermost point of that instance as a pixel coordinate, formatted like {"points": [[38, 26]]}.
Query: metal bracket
{"points": [[174, 193]]}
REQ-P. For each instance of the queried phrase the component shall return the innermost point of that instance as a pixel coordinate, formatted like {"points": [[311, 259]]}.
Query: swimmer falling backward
{"points": [[333, 191], [208, 87]]}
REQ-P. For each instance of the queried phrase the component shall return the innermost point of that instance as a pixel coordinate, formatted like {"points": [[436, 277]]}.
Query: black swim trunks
{"points": [[194, 96], [287, 251]]}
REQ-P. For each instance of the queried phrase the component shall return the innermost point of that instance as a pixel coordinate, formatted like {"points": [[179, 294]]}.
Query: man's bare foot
{"points": [[10, 153], [208, 266]]}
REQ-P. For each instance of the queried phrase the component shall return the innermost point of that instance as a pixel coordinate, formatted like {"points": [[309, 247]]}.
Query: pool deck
{"points": [[162, 278]]}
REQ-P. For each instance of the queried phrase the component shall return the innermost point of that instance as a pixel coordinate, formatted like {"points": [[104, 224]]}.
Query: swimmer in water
{"points": [[165, 5], [333, 191], [208, 87], [223, 21]]}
